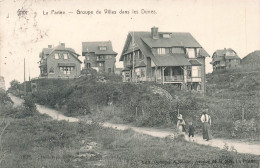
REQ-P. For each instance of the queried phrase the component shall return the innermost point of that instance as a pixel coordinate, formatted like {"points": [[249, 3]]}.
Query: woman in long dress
{"points": [[206, 121], [180, 124]]}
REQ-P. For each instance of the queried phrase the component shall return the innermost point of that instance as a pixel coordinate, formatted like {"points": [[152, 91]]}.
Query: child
{"points": [[191, 131]]}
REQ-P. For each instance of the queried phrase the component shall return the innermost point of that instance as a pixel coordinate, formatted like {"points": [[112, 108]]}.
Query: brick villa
{"points": [[99, 55], [59, 62]]}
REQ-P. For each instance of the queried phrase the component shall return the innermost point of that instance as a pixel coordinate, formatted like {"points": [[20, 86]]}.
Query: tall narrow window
{"points": [[191, 52], [189, 71], [198, 52], [56, 56], [65, 55]]}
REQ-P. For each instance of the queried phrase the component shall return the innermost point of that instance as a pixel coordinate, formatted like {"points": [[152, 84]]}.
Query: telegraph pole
{"points": [[133, 71], [24, 77]]}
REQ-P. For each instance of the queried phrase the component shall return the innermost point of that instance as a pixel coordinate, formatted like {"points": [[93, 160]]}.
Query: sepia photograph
{"points": [[129, 84]]}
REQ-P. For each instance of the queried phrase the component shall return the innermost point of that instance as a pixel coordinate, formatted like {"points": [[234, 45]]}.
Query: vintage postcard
{"points": [[149, 83]]}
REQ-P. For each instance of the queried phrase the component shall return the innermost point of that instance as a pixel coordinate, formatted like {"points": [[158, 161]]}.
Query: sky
{"points": [[215, 24]]}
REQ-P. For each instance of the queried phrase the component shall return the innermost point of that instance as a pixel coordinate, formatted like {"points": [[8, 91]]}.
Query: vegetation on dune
{"points": [[37, 141], [232, 102]]}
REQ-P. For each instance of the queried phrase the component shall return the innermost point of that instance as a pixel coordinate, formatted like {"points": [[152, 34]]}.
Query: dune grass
{"points": [[41, 142]]}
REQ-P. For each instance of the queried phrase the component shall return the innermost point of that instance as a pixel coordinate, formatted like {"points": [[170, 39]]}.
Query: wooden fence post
{"points": [[243, 113], [135, 112]]}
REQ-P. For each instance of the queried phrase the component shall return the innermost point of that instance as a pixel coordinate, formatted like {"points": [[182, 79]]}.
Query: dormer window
{"points": [[191, 52], [177, 50], [102, 48], [161, 51], [166, 35]]}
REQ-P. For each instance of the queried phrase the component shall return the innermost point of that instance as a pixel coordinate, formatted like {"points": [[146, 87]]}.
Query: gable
{"points": [[98, 47], [145, 42], [61, 54]]}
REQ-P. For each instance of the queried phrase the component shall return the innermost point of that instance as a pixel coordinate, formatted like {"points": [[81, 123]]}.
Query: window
{"points": [[142, 72], [141, 56], [196, 71], [100, 64], [103, 48], [87, 58], [189, 71], [65, 55], [100, 58], [127, 74], [51, 71], [56, 56], [161, 51], [198, 52], [66, 70], [88, 65], [166, 36], [191, 52], [177, 50]]}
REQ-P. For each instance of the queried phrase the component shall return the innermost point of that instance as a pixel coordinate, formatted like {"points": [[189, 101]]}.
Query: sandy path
{"points": [[241, 147]]}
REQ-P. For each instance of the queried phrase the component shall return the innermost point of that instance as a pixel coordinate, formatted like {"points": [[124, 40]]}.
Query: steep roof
{"points": [[61, 48], [47, 50], [195, 62], [171, 60], [176, 40], [222, 52], [145, 42], [203, 53], [94, 47]]}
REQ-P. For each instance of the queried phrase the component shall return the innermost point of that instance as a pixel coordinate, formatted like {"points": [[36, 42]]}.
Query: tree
{"points": [[14, 84]]}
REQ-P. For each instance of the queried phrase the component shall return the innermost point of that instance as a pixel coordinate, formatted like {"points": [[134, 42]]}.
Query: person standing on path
{"points": [[180, 124], [191, 131], [206, 121]]}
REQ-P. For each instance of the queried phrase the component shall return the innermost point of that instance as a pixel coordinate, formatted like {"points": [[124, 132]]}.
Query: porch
{"points": [[171, 74]]}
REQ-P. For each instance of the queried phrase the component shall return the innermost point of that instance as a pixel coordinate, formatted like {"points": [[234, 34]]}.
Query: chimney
{"points": [[62, 44], [154, 32], [49, 46]]}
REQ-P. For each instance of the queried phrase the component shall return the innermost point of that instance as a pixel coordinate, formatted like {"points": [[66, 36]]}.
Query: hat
{"points": [[179, 116]]}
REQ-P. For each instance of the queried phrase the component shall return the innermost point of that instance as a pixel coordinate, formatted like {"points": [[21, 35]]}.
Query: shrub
{"points": [[4, 98], [77, 107], [245, 128], [29, 104]]}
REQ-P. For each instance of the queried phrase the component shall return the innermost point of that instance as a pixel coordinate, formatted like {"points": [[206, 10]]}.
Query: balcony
{"points": [[194, 79], [43, 63], [174, 79], [129, 63], [100, 59]]}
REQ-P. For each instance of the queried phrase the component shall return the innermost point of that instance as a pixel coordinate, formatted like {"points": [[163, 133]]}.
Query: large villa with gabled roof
{"points": [[164, 57]]}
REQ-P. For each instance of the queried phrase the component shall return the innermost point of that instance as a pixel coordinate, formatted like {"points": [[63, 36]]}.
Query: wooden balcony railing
{"points": [[175, 78]]}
